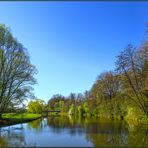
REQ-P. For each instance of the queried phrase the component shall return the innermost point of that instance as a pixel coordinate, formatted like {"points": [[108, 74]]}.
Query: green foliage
{"points": [[80, 110], [36, 107], [72, 109], [143, 119], [85, 109]]}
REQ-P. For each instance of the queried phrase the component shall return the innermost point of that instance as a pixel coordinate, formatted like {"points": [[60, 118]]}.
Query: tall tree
{"points": [[132, 65], [16, 71]]}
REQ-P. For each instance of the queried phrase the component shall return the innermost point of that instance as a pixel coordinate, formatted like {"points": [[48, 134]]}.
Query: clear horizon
{"points": [[72, 43]]}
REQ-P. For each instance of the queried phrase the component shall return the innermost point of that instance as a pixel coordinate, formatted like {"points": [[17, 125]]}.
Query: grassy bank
{"points": [[15, 118]]}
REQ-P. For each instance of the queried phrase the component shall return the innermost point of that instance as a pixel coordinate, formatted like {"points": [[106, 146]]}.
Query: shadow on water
{"points": [[78, 130]]}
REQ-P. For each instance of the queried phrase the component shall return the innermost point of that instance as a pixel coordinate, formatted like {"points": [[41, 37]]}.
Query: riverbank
{"points": [[15, 118]]}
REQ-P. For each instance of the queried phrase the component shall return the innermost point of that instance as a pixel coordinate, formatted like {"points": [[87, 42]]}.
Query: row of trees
{"points": [[16, 71], [122, 92]]}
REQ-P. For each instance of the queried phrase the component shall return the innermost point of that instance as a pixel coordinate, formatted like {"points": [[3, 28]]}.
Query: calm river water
{"points": [[73, 132]]}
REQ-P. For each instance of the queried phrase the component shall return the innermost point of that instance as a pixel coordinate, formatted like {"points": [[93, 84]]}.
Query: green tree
{"points": [[106, 88], [61, 106], [54, 101], [86, 108], [132, 66], [72, 110], [16, 71], [37, 106]]}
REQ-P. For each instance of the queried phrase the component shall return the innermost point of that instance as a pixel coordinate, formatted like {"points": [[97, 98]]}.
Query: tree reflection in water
{"points": [[84, 130], [36, 125], [66, 124], [101, 133]]}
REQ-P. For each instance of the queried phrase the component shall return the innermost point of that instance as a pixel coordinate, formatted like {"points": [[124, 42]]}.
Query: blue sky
{"points": [[71, 43]]}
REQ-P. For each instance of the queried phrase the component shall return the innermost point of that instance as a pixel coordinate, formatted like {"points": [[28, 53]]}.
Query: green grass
{"points": [[20, 116], [15, 118]]}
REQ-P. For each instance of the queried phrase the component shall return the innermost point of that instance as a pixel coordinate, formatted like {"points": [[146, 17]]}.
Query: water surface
{"points": [[74, 132]]}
